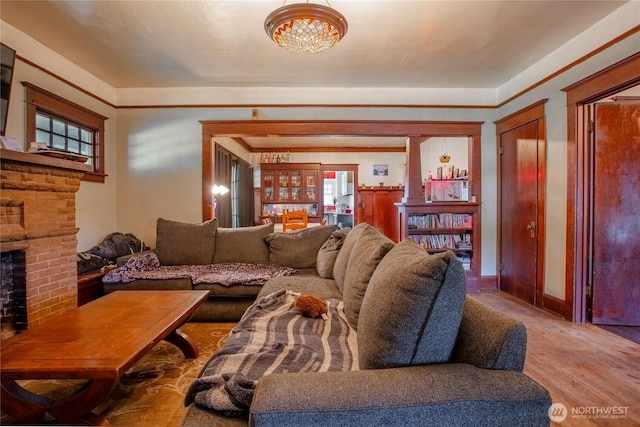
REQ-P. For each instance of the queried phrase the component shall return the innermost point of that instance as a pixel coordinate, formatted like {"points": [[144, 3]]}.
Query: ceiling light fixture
{"points": [[306, 28]]}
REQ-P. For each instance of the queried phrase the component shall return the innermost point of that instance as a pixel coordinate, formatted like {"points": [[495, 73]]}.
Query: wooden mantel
{"points": [[42, 160]]}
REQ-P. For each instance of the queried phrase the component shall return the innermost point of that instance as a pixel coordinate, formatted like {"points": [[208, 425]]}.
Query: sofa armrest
{"points": [[489, 339], [122, 260], [447, 394]]}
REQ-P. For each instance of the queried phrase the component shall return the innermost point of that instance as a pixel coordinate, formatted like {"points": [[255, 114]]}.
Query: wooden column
{"points": [[413, 172]]}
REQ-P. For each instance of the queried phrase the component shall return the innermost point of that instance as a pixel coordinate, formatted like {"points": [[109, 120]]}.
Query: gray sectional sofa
{"points": [[427, 354], [202, 244]]}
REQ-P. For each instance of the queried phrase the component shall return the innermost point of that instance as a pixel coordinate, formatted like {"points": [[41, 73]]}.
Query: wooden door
{"points": [[365, 207], [386, 213], [616, 214], [519, 219]]}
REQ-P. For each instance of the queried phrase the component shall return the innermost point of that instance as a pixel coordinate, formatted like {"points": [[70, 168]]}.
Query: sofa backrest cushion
{"points": [[342, 260], [179, 243], [412, 308], [298, 249], [243, 244], [367, 253], [328, 253]]}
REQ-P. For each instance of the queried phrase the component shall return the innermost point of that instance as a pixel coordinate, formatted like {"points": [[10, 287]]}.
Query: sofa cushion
{"points": [[304, 284], [298, 249], [179, 243], [367, 252], [243, 244], [412, 309], [328, 253], [342, 260]]}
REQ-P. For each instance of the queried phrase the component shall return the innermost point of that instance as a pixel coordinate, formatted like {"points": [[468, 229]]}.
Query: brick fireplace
{"points": [[38, 220]]}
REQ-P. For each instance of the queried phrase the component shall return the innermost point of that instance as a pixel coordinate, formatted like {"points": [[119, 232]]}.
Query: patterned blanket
{"points": [[272, 337], [147, 266]]}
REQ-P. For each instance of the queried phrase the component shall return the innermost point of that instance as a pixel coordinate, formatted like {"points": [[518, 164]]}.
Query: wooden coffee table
{"points": [[98, 342]]}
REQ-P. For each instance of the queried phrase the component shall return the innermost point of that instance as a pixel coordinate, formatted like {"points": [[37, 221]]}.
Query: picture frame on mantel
{"points": [[9, 143]]}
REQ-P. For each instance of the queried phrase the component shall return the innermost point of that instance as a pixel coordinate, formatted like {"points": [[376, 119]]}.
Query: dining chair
{"points": [[294, 220]]}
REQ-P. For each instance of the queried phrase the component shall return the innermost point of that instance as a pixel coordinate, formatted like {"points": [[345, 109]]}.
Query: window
{"points": [[328, 194], [63, 125], [235, 194]]}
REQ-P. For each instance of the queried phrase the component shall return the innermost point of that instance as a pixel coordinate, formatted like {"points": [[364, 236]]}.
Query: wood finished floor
{"points": [[584, 367]]}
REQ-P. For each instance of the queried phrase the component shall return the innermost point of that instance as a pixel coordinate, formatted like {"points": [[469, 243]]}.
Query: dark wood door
{"points": [[616, 214], [518, 212], [385, 211], [364, 211]]}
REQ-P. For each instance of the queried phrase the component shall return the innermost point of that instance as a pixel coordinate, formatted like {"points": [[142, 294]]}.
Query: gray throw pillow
{"points": [[367, 252], [328, 253], [243, 244], [412, 309], [179, 243], [298, 249], [342, 260]]}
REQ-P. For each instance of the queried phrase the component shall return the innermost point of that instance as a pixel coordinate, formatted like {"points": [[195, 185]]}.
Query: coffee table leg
{"points": [[26, 407], [184, 343]]}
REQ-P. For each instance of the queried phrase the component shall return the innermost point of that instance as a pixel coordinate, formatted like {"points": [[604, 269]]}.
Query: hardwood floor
{"points": [[591, 371]]}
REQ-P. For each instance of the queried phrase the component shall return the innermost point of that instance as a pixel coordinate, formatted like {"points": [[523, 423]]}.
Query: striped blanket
{"points": [[272, 337]]}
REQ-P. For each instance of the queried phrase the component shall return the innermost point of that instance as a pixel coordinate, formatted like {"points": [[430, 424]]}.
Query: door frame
{"points": [[607, 82], [350, 167], [534, 112]]}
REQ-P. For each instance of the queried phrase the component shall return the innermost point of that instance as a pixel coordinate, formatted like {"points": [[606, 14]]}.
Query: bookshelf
{"points": [[441, 226]]}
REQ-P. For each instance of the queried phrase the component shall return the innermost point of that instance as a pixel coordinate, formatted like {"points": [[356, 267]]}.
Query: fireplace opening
{"points": [[13, 293]]}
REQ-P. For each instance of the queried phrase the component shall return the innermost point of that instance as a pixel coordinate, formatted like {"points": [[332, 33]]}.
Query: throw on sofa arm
{"points": [[443, 395]]}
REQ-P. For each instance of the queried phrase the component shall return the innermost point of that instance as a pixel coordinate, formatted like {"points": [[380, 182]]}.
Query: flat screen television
{"points": [[7, 61]]}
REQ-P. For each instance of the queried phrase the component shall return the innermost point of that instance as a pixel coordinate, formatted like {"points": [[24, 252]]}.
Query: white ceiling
{"points": [[390, 43]]}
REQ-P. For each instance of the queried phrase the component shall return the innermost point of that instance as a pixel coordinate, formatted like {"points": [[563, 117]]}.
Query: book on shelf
{"points": [[444, 241], [442, 220]]}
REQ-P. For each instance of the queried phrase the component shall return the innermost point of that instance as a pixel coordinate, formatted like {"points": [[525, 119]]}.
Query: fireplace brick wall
{"points": [[38, 215]]}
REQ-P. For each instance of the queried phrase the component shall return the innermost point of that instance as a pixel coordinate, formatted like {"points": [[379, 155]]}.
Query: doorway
{"points": [[339, 194], [608, 82], [615, 225], [521, 196]]}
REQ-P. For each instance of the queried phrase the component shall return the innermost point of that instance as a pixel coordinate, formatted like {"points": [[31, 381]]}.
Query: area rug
{"points": [[152, 392]]}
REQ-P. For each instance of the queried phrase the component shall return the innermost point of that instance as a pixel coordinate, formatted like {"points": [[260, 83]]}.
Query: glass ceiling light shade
{"points": [[305, 28]]}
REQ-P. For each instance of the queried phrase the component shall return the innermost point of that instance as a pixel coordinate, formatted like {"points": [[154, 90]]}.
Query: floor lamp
{"points": [[217, 190]]}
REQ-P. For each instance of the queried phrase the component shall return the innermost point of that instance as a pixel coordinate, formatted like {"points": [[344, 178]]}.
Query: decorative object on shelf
{"points": [[306, 28], [10, 143], [42, 148], [444, 157]]}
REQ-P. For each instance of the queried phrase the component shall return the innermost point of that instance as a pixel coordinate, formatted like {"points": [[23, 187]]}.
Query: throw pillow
{"points": [[340, 266], [412, 309], [328, 253], [243, 244], [367, 252], [179, 243], [298, 249]]}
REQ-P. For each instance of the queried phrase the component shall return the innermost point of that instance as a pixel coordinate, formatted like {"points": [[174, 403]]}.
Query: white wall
{"points": [[95, 203]]}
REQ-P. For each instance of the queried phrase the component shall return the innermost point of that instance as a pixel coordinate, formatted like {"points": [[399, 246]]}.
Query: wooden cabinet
{"points": [[292, 186], [90, 285], [441, 226], [376, 206]]}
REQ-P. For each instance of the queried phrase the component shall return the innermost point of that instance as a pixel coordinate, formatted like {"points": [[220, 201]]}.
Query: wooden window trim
{"points": [[38, 99]]}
